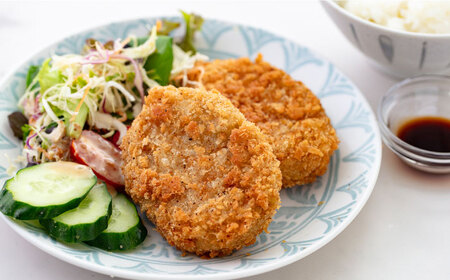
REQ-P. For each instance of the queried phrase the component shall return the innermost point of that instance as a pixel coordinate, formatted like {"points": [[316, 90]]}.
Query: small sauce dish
{"points": [[417, 97]]}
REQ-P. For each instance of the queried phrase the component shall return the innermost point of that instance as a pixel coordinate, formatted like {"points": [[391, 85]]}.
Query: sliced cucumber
{"points": [[125, 229], [86, 221], [46, 190]]}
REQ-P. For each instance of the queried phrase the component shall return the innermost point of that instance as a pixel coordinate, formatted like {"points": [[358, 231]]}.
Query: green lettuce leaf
{"points": [[193, 24], [48, 78], [32, 73], [159, 64], [75, 127]]}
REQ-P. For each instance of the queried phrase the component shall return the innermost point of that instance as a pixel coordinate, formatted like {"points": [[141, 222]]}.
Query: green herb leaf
{"points": [[167, 27], [159, 63], [32, 73], [26, 129], [90, 43], [193, 24], [109, 45], [47, 77]]}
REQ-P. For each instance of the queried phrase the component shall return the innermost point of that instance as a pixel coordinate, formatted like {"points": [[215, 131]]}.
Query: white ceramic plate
{"points": [[310, 216]]}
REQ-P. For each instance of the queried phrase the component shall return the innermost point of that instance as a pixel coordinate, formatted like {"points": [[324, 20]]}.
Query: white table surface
{"points": [[403, 232]]}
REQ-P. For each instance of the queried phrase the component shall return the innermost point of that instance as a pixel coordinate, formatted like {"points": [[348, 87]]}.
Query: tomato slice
{"points": [[99, 154]]}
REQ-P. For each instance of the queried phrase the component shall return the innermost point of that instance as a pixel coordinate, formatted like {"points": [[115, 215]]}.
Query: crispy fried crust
{"points": [[284, 109], [204, 175]]}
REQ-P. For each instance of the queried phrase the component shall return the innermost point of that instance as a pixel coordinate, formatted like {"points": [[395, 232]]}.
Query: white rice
{"points": [[423, 16]]}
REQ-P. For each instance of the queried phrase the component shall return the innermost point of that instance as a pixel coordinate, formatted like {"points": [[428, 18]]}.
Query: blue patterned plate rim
{"points": [[271, 265]]}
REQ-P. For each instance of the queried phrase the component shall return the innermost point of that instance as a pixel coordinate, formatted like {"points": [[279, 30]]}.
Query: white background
{"points": [[403, 232]]}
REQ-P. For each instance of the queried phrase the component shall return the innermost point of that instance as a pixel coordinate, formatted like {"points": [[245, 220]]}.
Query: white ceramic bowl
{"points": [[399, 53], [421, 96]]}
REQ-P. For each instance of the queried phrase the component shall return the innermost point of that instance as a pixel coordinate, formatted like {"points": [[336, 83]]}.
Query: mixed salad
{"points": [[74, 114], [74, 101]]}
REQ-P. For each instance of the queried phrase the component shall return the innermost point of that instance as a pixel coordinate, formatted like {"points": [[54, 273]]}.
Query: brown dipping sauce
{"points": [[427, 133]]}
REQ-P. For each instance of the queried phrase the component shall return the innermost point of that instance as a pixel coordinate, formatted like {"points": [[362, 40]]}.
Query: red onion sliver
{"points": [[138, 81], [28, 140]]}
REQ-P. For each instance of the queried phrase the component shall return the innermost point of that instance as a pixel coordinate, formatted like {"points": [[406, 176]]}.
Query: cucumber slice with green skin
{"points": [[86, 221], [125, 229], [46, 190]]}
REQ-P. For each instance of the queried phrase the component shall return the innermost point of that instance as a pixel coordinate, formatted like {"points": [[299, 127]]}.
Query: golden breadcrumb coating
{"points": [[284, 109], [203, 174]]}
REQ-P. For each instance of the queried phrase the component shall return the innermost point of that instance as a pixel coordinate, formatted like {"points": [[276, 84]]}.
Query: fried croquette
{"points": [[292, 117], [203, 174]]}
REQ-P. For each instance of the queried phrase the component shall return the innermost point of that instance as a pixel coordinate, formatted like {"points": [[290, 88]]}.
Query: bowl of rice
{"points": [[402, 37]]}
